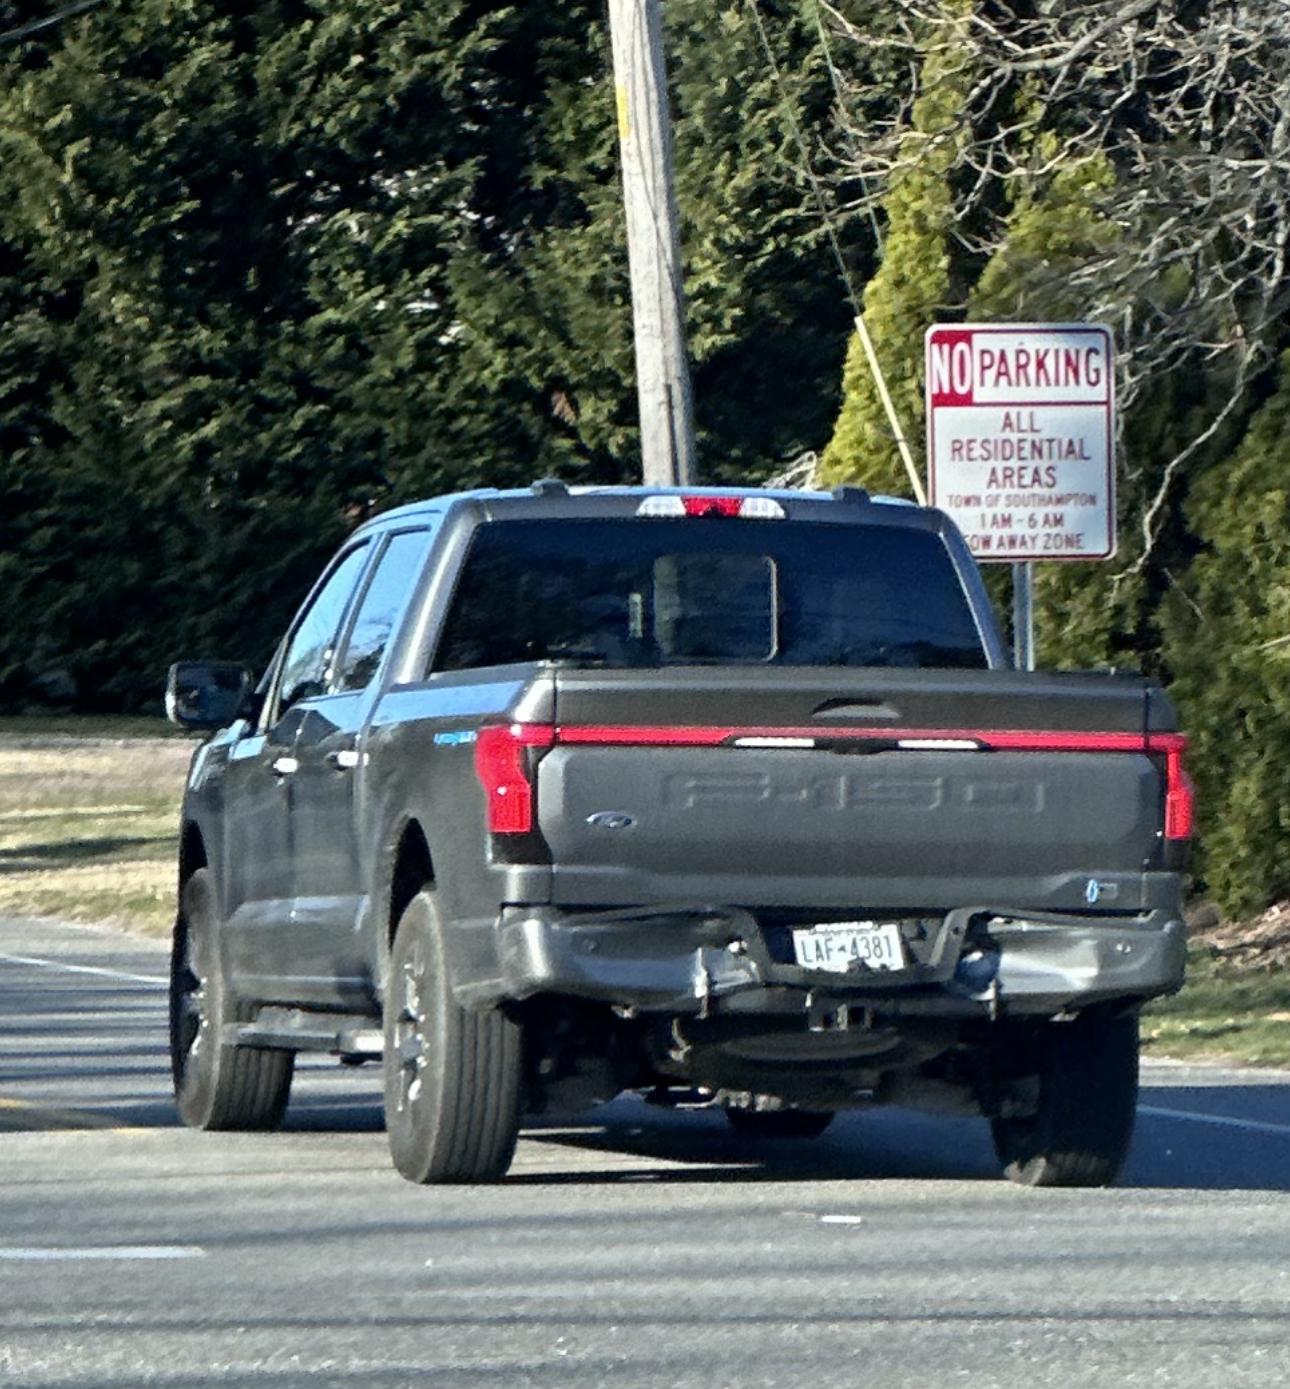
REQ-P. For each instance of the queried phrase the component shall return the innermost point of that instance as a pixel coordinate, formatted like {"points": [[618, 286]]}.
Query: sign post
{"points": [[1021, 446]]}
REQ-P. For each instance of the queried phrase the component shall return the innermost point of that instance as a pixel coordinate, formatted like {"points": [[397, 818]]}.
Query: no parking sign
{"points": [[1021, 438]]}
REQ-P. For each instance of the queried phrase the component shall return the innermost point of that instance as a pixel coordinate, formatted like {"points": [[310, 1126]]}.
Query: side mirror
{"points": [[208, 694]]}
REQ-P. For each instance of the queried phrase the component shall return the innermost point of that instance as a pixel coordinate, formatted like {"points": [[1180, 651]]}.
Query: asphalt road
{"points": [[636, 1248]]}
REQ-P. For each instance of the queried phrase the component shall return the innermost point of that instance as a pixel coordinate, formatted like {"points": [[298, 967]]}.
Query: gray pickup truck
{"points": [[724, 797]]}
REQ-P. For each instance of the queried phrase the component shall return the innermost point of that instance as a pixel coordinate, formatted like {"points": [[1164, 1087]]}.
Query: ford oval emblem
{"points": [[611, 820]]}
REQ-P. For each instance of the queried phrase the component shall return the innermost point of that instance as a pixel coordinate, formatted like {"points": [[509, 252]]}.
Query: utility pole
{"points": [[653, 243]]}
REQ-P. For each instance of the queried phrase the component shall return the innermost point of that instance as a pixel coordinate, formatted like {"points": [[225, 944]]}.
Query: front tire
{"points": [[1080, 1133], [217, 1086], [452, 1076]]}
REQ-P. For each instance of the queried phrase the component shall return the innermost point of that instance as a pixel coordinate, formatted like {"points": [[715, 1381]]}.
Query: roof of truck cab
{"points": [[431, 505]]}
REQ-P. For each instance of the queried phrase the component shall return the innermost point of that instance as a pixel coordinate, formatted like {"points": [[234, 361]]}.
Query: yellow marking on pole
{"points": [[624, 113]]}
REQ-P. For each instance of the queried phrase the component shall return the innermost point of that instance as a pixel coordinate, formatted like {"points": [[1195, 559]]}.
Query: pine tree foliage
{"points": [[1103, 167], [269, 268], [913, 285], [545, 305], [1083, 614], [1229, 646]]}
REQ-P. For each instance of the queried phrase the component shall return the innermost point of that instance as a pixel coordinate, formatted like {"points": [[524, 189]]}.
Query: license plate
{"points": [[840, 945]]}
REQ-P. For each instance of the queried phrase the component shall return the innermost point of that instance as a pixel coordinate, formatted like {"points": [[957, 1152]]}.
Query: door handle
{"points": [[284, 766], [343, 759]]}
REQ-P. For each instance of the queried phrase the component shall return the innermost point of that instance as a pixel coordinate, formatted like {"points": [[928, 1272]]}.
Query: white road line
{"points": [[842, 1220], [1222, 1120], [83, 969], [104, 1252]]}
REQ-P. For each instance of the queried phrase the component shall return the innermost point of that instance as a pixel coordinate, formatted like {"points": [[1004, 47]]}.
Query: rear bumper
{"points": [[980, 961]]}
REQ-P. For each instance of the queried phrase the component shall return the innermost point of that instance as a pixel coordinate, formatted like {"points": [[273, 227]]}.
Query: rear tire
{"points": [[1080, 1134], [217, 1086], [452, 1076], [779, 1123]]}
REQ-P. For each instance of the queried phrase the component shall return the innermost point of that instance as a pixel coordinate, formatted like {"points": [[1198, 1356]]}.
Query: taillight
{"points": [[502, 765], [1180, 798]]}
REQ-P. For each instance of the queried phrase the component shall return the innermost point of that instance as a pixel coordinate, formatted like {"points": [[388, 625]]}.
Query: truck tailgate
{"points": [[867, 789]]}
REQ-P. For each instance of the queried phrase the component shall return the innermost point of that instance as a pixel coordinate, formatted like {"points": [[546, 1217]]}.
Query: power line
{"points": [[24, 31], [835, 79], [807, 165], [826, 217]]}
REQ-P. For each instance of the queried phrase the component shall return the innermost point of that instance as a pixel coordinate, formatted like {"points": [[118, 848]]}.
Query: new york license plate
{"points": [[840, 945]]}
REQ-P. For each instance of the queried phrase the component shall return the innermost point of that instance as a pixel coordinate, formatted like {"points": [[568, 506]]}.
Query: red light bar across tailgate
{"points": [[500, 754], [986, 739]]}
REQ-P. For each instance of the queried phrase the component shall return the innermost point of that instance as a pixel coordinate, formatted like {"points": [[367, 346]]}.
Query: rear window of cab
{"points": [[638, 592]]}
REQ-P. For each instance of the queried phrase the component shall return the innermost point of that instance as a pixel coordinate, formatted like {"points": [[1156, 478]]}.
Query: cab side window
{"points": [[306, 666], [381, 606]]}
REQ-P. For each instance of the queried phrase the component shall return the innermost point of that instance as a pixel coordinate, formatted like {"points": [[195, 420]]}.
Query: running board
{"points": [[351, 1036]]}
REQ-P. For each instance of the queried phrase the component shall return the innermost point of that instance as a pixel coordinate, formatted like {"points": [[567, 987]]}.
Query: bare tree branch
{"points": [[1187, 104]]}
